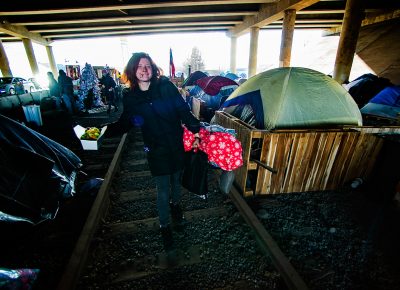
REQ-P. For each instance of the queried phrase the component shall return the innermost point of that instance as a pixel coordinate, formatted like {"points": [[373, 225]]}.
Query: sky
{"points": [[309, 49]]}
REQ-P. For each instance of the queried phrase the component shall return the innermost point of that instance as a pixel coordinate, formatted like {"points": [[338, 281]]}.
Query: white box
{"points": [[89, 144]]}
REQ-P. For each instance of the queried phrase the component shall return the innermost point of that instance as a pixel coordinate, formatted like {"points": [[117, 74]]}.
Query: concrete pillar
{"points": [[4, 64], [287, 37], [233, 54], [52, 61], [254, 31], [31, 56], [352, 19]]}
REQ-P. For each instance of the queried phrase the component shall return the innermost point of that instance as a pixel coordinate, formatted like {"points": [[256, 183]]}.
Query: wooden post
{"points": [[348, 40], [253, 51], [233, 54], [287, 37], [4, 64], [31, 56], [52, 61]]}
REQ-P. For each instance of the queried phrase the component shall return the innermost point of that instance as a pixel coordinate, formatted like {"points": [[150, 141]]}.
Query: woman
{"points": [[66, 91], [154, 103]]}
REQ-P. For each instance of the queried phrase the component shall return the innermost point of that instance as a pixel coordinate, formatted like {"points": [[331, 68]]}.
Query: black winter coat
{"points": [[159, 112]]}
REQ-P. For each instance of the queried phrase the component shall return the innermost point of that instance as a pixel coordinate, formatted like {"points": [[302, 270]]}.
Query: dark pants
{"points": [[111, 100], [168, 190]]}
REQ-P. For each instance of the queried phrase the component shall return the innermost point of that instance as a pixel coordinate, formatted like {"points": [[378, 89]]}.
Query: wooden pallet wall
{"points": [[303, 160]]}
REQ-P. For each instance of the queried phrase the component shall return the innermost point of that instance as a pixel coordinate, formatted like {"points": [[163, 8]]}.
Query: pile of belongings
{"points": [[292, 97], [212, 92], [365, 87], [193, 77], [231, 76], [384, 104], [219, 148], [37, 174]]}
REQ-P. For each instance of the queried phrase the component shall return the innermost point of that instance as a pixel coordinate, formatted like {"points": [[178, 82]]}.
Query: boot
{"points": [[177, 216], [168, 241]]}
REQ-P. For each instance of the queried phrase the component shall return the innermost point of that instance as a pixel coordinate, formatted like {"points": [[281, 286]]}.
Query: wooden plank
{"points": [[153, 223], [341, 161], [189, 256], [263, 174], [278, 161], [373, 156], [295, 180], [373, 144], [307, 160], [353, 171], [331, 159], [347, 152], [327, 150], [313, 162], [316, 159], [287, 176], [130, 174]]}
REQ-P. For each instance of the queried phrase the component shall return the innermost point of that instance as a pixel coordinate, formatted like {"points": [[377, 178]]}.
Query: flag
{"points": [[171, 64]]}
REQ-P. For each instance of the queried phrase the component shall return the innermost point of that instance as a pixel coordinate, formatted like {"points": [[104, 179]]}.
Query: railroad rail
{"points": [[106, 224]]}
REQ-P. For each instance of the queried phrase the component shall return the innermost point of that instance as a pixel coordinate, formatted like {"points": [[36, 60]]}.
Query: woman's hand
{"points": [[196, 142]]}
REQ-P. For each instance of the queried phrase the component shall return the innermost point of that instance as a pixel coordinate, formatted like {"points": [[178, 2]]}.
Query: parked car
{"points": [[36, 83], [15, 85]]}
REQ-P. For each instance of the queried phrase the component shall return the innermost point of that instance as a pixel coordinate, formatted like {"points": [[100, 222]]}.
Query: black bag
{"points": [[194, 177]]}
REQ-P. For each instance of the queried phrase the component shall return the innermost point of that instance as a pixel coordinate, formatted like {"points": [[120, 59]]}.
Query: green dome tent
{"points": [[295, 97]]}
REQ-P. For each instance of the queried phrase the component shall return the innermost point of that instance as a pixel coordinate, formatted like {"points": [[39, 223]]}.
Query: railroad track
{"points": [[223, 246]]}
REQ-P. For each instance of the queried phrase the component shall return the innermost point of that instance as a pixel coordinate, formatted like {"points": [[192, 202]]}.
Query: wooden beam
{"points": [[4, 63], [134, 6], [30, 53], [133, 26], [233, 52], [254, 32], [287, 38], [269, 13], [367, 21], [138, 31], [144, 17], [348, 40], [22, 32]]}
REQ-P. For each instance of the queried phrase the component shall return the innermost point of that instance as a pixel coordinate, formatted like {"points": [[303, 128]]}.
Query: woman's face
{"points": [[144, 71]]}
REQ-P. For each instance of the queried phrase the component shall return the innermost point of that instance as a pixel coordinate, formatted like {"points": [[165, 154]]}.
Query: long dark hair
{"points": [[132, 66]]}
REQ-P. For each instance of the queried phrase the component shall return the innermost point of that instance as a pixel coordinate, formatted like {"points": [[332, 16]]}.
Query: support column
{"points": [[31, 56], [233, 54], [352, 19], [254, 31], [4, 64], [289, 20], [52, 61]]}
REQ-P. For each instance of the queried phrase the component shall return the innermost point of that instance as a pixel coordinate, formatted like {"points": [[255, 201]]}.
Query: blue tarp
{"points": [[388, 96]]}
